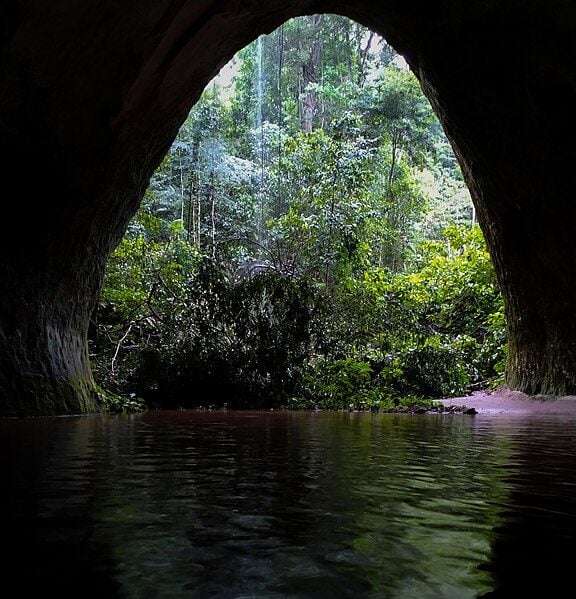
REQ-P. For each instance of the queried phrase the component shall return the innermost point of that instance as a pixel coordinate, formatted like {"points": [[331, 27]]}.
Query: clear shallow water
{"points": [[270, 505]]}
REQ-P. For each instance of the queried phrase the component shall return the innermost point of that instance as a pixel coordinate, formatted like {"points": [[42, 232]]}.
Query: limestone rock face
{"points": [[93, 93]]}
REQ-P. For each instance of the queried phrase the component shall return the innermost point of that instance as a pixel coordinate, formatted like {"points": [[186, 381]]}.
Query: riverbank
{"points": [[505, 401]]}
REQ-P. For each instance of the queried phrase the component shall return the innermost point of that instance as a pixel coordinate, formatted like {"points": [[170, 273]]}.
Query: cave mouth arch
{"points": [[88, 103], [234, 160]]}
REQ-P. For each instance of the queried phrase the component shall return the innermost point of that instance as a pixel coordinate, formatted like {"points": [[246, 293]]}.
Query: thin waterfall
{"points": [[259, 85], [280, 120]]}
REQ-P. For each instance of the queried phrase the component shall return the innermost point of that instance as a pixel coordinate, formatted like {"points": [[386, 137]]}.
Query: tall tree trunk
{"points": [[213, 219], [363, 53], [190, 221], [310, 77]]}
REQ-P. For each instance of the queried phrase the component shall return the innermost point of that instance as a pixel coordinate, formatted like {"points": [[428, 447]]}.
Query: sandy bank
{"points": [[504, 401]]}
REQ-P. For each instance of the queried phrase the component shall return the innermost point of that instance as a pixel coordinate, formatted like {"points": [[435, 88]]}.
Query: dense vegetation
{"points": [[307, 242]]}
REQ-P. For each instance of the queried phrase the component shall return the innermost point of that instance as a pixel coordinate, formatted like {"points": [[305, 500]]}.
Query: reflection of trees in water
{"points": [[212, 504], [202, 498], [339, 502], [417, 494], [534, 548]]}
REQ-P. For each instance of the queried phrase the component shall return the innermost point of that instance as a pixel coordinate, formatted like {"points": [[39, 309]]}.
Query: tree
{"points": [[286, 247]]}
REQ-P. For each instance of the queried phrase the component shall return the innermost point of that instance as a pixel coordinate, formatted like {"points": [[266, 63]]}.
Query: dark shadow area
{"points": [[535, 541], [47, 512]]}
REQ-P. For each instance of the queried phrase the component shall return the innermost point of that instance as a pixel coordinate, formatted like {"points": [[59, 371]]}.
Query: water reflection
{"points": [[535, 542], [189, 504]]}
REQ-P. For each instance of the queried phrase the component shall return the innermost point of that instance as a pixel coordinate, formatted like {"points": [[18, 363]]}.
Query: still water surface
{"points": [[281, 504]]}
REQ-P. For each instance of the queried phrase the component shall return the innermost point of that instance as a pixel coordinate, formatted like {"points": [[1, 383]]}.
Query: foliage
{"points": [[119, 404], [350, 384], [442, 323], [205, 339], [308, 241]]}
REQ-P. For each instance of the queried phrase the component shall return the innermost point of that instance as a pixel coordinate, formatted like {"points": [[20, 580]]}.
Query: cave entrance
{"points": [[103, 113], [307, 240]]}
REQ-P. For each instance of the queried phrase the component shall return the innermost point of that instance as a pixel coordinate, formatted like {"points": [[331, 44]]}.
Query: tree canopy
{"points": [[308, 241]]}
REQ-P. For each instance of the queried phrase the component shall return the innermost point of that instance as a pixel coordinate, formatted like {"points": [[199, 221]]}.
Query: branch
{"points": [[113, 363]]}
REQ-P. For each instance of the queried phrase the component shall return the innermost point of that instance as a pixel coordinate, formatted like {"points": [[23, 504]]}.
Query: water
{"points": [[271, 505]]}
